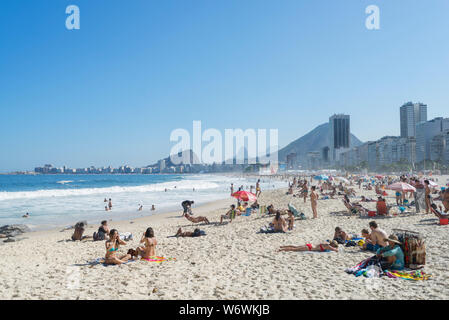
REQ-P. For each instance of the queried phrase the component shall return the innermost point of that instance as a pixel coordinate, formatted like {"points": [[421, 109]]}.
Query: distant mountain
{"points": [[315, 140]]}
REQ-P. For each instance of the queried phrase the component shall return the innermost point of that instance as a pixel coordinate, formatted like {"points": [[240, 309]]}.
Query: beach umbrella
{"points": [[244, 196], [401, 186], [344, 180], [321, 177], [431, 184]]}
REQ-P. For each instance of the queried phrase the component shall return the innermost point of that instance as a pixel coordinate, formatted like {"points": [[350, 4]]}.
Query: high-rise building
{"points": [[411, 114], [339, 135], [425, 131]]}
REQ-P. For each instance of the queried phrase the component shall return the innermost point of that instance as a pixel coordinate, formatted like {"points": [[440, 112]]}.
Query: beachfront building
{"points": [[412, 114], [313, 160], [446, 147], [292, 161], [438, 146], [339, 136], [425, 132]]}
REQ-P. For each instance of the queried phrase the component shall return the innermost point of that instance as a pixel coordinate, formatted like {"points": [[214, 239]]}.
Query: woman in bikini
{"points": [[148, 249], [112, 246], [313, 200], [322, 247]]}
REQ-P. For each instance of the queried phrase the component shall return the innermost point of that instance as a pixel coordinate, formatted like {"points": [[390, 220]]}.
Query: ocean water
{"points": [[61, 200]]}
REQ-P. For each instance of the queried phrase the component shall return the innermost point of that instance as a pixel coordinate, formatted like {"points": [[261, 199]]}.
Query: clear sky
{"points": [[112, 92]]}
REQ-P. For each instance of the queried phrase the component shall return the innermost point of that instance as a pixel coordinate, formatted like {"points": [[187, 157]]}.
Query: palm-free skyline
{"points": [[111, 92]]}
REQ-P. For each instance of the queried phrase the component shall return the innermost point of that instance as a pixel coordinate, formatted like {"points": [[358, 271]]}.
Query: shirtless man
{"points": [[305, 191], [428, 197], [313, 200], [230, 215], [196, 219], [378, 235]]}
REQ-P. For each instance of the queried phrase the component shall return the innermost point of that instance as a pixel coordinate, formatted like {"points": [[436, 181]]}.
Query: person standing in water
{"points": [[110, 204], [313, 200], [232, 189]]}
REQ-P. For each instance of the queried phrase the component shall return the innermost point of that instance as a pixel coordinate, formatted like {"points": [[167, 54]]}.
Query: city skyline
{"points": [[97, 95]]}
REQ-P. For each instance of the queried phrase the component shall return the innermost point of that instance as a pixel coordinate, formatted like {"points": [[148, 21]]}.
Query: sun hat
{"points": [[393, 238]]}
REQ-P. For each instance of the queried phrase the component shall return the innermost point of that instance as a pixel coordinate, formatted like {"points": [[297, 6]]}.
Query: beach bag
{"points": [[413, 246]]}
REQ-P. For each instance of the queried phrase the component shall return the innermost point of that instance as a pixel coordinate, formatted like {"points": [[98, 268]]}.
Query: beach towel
{"points": [[416, 275], [126, 236], [101, 261], [361, 267], [157, 259]]}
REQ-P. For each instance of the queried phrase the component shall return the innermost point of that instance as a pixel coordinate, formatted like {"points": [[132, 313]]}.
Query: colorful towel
{"points": [[158, 259], [408, 275]]}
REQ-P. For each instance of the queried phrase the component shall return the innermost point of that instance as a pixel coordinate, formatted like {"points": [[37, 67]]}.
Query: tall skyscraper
{"points": [[339, 135], [411, 114]]}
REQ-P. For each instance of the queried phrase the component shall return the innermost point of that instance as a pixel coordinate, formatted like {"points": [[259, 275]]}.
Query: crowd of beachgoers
{"points": [[253, 228]]}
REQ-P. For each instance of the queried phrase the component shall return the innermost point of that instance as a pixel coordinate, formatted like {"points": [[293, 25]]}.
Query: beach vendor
{"points": [[392, 255]]}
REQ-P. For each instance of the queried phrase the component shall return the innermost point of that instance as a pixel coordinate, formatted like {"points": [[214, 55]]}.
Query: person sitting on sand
{"points": [[255, 205], [279, 224], [112, 246], [103, 231], [365, 199], [439, 213], [196, 219], [322, 247], [381, 207], [340, 236], [149, 248], [196, 233], [368, 245], [391, 255], [377, 234], [230, 215], [79, 230], [187, 206]]}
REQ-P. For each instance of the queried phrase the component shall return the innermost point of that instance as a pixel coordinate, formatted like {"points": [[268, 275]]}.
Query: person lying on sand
{"points": [[230, 215], [112, 246], [322, 247], [149, 248], [196, 219], [196, 233], [364, 199]]}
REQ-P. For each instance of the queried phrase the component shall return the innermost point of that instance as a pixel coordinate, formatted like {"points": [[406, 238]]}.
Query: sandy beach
{"points": [[232, 261]]}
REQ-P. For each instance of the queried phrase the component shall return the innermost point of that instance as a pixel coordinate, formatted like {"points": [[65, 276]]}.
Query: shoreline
{"points": [[232, 261]]}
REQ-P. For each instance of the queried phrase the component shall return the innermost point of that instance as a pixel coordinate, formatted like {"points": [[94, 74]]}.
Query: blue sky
{"points": [[112, 92]]}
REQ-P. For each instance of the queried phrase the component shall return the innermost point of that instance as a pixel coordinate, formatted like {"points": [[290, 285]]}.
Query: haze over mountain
{"points": [[314, 140]]}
